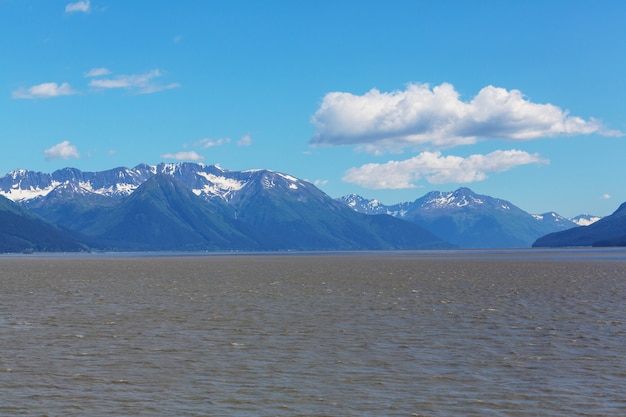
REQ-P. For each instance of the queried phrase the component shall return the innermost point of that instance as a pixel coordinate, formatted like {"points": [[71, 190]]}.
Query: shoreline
{"points": [[573, 253]]}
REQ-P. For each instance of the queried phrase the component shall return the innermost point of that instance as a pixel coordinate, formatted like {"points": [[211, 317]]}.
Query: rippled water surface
{"points": [[321, 335]]}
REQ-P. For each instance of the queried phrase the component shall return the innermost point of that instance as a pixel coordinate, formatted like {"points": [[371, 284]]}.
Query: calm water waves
{"points": [[323, 335]]}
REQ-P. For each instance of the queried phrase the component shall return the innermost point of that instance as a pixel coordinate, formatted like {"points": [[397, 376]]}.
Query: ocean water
{"points": [[516, 333]]}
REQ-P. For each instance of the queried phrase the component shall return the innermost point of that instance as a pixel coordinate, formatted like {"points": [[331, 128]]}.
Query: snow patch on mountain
{"points": [[17, 173], [585, 219], [293, 181], [169, 169], [288, 177], [218, 185], [19, 194], [459, 198], [551, 217], [205, 181], [444, 200], [267, 183]]}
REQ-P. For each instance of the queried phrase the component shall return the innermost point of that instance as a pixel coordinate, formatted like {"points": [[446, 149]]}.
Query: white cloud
{"points": [[606, 196], [79, 6], [155, 88], [245, 140], [97, 72], [320, 183], [210, 143], [183, 156], [63, 150], [420, 115], [141, 83], [437, 169], [206, 143], [45, 90]]}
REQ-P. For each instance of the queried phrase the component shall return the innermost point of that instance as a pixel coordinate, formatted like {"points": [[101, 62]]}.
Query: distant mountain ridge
{"points": [[205, 180], [192, 206], [468, 219], [189, 206], [608, 231], [22, 231]]}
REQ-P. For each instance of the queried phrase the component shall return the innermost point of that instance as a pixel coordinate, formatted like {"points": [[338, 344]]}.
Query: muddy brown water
{"points": [[393, 334]]}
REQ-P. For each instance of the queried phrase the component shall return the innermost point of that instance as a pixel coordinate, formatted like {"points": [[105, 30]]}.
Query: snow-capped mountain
{"points": [[462, 198], [189, 206], [263, 209], [22, 185], [585, 219], [555, 219], [362, 205], [608, 231], [205, 181], [434, 201], [468, 219]]}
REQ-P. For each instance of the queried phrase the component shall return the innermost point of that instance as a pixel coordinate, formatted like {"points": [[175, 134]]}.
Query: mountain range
{"points": [[467, 219], [188, 206], [608, 231]]}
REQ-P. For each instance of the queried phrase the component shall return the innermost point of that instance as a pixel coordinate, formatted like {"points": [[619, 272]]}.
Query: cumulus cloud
{"points": [[79, 6], [97, 72], [183, 156], [63, 150], [421, 115], [45, 90], [245, 140], [606, 196], [140, 83], [437, 169]]}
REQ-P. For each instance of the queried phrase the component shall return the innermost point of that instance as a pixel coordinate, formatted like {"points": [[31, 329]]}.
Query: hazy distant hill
{"points": [[21, 231], [608, 231], [467, 219], [188, 206]]}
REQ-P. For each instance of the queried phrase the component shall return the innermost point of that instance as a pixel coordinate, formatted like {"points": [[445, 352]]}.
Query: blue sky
{"points": [[518, 100]]}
